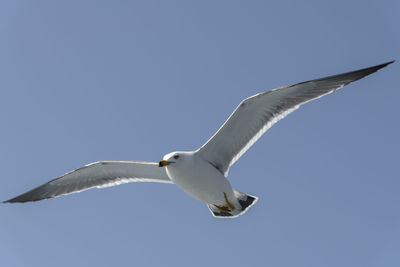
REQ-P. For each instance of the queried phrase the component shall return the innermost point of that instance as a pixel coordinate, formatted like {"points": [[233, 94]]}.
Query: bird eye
{"points": [[176, 157]]}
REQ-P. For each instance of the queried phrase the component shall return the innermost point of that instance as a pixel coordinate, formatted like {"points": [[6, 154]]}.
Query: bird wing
{"points": [[98, 174], [256, 114]]}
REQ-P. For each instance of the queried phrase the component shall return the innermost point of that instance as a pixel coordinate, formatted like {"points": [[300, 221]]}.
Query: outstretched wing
{"points": [[98, 174], [256, 114]]}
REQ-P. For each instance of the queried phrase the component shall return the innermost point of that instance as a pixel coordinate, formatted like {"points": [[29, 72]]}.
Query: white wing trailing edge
{"points": [[256, 114], [98, 174]]}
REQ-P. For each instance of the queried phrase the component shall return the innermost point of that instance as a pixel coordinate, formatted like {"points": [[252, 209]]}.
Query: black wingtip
{"points": [[378, 67], [358, 74], [21, 199], [385, 64], [12, 200]]}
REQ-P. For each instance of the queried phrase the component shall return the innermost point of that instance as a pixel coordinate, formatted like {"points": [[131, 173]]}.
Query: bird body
{"points": [[198, 178], [203, 173], [202, 181]]}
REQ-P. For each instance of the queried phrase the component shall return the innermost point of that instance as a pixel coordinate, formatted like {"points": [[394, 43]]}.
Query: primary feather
{"points": [[256, 114], [98, 174]]}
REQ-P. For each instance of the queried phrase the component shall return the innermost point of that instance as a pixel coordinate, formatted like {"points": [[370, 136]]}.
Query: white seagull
{"points": [[202, 173]]}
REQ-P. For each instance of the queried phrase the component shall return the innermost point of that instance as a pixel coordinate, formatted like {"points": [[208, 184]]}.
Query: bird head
{"points": [[170, 158]]}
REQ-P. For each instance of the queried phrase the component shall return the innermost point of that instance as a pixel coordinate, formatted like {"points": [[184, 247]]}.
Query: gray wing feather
{"points": [[256, 114], [98, 174]]}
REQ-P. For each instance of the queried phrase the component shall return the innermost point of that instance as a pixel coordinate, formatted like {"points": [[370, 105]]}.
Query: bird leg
{"points": [[229, 207]]}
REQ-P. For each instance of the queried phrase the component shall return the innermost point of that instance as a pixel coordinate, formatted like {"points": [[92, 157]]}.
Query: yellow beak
{"points": [[164, 163]]}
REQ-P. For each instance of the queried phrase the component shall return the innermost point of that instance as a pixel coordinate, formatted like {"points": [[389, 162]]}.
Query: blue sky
{"points": [[133, 80]]}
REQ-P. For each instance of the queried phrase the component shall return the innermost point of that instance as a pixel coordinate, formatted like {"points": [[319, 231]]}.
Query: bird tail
{"points": [[245, 202]]}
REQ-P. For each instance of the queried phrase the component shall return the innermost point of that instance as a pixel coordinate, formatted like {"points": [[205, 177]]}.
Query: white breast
{"points": [[200, 179]]}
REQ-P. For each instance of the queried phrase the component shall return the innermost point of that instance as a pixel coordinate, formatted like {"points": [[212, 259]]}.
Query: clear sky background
{"points": [[83, 81]]}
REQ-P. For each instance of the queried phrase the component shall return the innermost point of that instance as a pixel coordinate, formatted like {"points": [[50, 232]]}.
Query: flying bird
{"points": [[203, 173]]}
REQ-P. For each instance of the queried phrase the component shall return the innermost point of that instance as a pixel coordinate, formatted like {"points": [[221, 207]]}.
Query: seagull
{"points": [[202, 173]]}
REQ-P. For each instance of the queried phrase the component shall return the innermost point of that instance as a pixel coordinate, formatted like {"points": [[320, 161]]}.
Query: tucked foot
{"points": [[229, 207], [228, 210]]}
